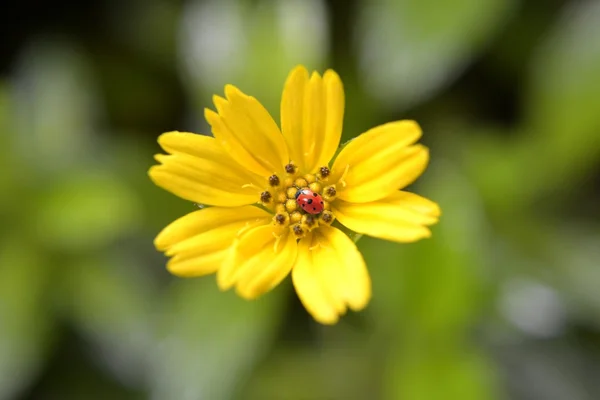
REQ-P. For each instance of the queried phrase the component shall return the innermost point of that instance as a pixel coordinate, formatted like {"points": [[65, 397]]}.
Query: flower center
{"points": [[300, 202]]}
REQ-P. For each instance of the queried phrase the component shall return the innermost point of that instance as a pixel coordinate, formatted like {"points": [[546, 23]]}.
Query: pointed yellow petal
{"points": [[199, 241], [258, 262], [334, 104], [199, 170], [400, 217], [330, 274], [311, 288], [244, 128], [312, 113], [198, 265], [275, 264], [292, 119], [354, 285], [379, 162]]}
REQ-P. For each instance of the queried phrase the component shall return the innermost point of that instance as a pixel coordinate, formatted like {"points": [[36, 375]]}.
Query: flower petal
{"points": [[199, 241], [196, 265], [400, 217], [311, 287], [379, 162], [312, 114], [259, 261], [199, 170], [330, 274], [244, 128]]}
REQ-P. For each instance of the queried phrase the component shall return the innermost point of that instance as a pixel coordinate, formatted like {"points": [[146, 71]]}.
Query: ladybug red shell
{"points": [[310, 201]]}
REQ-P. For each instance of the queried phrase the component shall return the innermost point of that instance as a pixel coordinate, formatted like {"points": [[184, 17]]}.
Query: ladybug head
{"points": [[298, 193]]}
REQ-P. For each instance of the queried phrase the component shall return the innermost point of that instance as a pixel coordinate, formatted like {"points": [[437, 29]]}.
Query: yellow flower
{"points": [[255, 233]]}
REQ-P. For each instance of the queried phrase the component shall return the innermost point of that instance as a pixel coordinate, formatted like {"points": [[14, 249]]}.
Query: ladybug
{"points": [[310, 201]]}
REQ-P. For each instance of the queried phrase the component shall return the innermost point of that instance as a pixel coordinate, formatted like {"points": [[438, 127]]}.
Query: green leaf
{"points": [[210, 340]]}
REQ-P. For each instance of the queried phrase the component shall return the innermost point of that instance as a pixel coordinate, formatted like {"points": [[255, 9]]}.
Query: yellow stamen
{"points": [[310, 178], [291, 205], [291, 192], [280, 208], [289, 181], [281, 197], [301, 183], [295, 217], [315, 187]]}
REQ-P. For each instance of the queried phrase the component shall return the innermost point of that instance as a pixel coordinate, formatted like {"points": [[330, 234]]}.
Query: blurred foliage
{"points": [[413, 48], [502, 301]]}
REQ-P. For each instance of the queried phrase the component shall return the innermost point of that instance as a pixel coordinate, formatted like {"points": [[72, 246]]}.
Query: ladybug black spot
{"points": [[314, 194], [309, 201], [321, 202], [314, 209]]}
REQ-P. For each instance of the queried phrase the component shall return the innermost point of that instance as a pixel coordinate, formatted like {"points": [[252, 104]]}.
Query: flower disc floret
{"points": [[301, 221]]}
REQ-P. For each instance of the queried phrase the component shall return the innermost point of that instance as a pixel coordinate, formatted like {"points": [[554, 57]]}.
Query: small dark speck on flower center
{"points": [[280, 218], [331, 191], [265, 197], [324, 172], [290, 168], [274, 180]]}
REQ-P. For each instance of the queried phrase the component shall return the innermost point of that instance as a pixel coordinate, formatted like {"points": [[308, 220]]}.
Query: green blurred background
{"points": [[503, 302]]}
